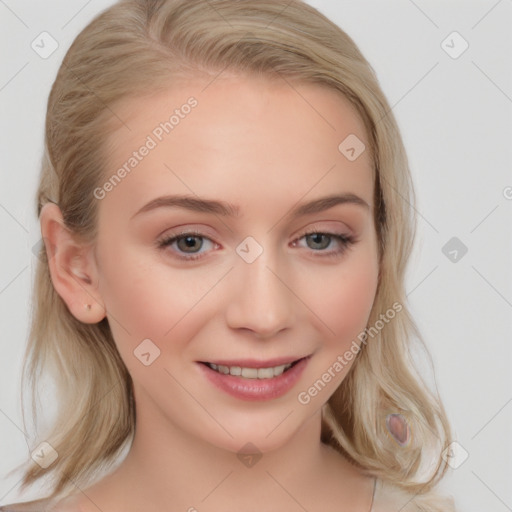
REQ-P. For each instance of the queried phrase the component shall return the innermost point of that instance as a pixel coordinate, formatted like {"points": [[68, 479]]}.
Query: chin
{"points": [[266, 434]]}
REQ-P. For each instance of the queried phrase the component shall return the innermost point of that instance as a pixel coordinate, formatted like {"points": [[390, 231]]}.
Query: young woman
{"points": [[225, 206]]}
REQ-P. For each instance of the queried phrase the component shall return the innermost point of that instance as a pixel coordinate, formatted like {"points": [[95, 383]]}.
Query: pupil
{"points": [[317, 238], [190, 242]]}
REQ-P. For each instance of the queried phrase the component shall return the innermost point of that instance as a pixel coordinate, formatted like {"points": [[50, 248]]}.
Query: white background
{"points": [[456, 119]]}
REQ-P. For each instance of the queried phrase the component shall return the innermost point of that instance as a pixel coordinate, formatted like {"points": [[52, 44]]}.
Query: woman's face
{"points": [[250, 258]]}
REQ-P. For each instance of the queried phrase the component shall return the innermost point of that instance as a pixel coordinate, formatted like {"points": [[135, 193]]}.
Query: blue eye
{"points": [[193, 246], [319, 241]]}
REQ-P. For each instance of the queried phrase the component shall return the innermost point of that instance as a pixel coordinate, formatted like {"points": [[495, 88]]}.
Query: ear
{"points": [[73, 267]]}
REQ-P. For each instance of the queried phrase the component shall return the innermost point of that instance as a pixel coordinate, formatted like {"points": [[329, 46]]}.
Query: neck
{"points": [[174, 467], [168, 467]]}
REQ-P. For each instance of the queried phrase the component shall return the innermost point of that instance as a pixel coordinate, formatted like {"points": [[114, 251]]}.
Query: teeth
{"points": [[265, 373], [279, 369], [251, 373]]}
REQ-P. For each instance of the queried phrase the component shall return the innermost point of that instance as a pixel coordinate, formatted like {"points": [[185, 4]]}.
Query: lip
{"points": [[254, 363], [256, 389]]}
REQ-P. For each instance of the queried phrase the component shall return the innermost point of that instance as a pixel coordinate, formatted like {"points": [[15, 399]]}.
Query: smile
{"points": [[251, 373], [255, 380]]}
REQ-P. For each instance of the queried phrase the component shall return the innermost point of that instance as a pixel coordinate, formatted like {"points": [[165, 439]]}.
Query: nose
{"points": [[262, 300]]}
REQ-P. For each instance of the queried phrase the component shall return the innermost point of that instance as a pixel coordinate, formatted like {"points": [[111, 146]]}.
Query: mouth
{"points": [[253, 370], [253, 380]]}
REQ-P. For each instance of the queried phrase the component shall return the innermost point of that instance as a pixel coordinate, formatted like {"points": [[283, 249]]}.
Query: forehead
{"points": [[239, 135]]}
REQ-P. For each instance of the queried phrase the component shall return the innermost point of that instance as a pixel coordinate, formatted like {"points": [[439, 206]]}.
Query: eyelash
{"points": [[346, 241]]}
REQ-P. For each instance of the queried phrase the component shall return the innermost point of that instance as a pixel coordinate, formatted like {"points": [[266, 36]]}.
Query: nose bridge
{"points": [[261, 301]]}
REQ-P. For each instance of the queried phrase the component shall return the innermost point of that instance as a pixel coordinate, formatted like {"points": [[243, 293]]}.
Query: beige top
{"points": [[386, 498]]}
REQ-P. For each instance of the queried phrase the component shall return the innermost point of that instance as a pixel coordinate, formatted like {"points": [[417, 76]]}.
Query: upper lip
{"points": [[255, 363]]}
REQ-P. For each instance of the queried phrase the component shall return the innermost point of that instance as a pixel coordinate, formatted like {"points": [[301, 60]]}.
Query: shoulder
{"points": [[390, 498], [43, 505]]}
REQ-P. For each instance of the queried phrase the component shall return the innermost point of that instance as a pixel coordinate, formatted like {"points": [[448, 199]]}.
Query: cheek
{"points": [[345, 299], [150, 300], [344, 305]]}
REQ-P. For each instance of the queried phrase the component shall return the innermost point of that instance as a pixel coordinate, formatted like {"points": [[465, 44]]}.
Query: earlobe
{"points": [[72, 267]]}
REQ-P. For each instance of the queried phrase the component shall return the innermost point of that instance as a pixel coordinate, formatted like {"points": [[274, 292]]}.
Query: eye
{"points": [[326, 244], [188, 246], [318, 240]]}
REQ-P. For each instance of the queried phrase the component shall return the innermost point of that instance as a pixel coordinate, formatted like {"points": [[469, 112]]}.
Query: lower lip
{"points": [[256, 389]]}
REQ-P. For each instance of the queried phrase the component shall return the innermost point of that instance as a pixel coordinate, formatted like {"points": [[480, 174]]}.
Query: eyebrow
{"points": [[230, 210]]}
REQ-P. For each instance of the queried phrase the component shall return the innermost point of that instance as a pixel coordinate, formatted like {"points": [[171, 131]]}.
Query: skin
{"points": [[263, 146]]}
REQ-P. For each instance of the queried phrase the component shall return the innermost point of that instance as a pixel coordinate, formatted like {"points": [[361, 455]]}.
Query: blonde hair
{"points": [[137, 47]]}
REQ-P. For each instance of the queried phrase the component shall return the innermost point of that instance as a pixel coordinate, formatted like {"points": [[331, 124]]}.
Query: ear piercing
{"points": [[399, 428], [88, 307]]}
